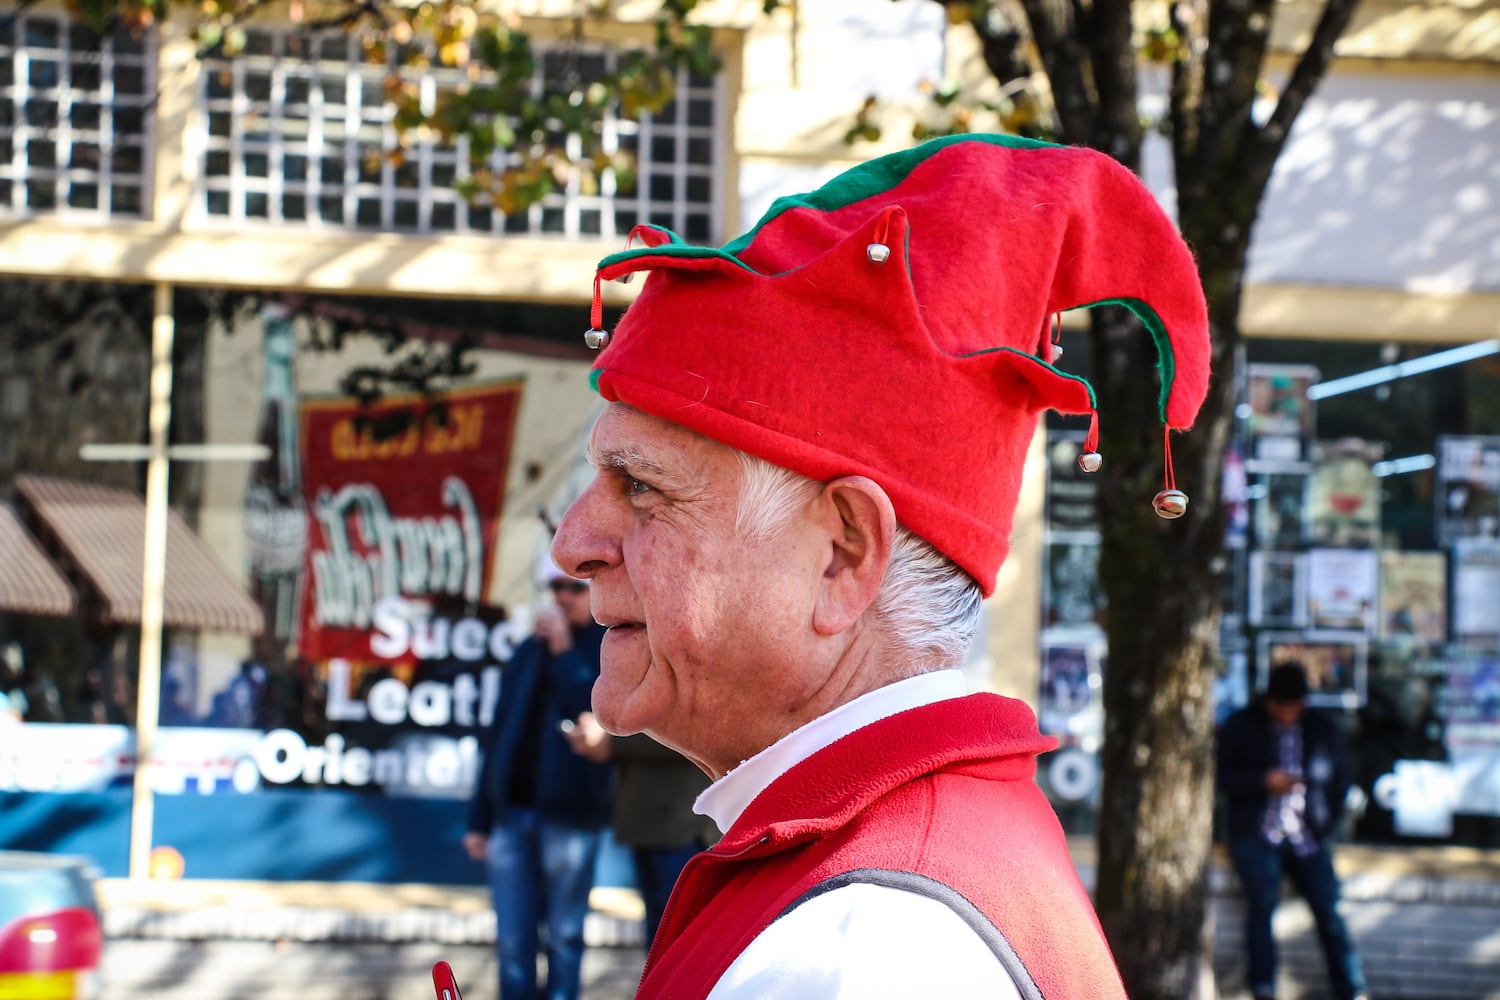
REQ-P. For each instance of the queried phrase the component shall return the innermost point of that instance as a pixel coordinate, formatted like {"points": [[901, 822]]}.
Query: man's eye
{"points": [[636, 487]]}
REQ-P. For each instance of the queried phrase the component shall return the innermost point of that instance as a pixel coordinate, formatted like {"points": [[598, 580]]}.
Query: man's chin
{"points": [[612, 707]]}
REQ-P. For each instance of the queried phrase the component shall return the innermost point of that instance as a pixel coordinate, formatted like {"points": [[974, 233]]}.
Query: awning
{"points": [[29, 583], [103, 531]]}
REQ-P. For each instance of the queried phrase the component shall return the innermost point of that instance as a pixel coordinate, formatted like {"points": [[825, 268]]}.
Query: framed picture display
{"points": [[1336, 664], [1071, 594], [1344, 498], [1413, 597], [1278, 589], [1468, 487], [1343, 586], [1476, 591], [1279, 417], [1281, 516]]}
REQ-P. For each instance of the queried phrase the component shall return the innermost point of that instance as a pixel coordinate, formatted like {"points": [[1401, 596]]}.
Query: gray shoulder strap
{"points": [[949, 897]]}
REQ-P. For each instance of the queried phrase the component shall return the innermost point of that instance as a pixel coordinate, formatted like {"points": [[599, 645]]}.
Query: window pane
{"points": [[217, 202], [84, 156], [41, 154], [43, 74], [83, 196], [41, 194], [85, 73], [85, 116], [41, 33], [294, 207], [125, 199]]}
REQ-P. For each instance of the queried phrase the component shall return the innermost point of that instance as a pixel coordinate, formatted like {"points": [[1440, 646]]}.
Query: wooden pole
{"points": [[153, 581]]}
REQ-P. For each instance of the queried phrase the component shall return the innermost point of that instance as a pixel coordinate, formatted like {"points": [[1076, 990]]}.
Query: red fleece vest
{"points": [[944, 792]]}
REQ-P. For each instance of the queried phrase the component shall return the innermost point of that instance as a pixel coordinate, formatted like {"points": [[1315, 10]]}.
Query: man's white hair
{"points": [[927, 607]]}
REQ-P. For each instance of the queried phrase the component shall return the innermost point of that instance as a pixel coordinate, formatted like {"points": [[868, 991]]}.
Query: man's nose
{"points": [[586, 541]]}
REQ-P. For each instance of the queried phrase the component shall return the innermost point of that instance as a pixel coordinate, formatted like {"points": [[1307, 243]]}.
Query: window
{"points": [[299, 132], [74, 114]]}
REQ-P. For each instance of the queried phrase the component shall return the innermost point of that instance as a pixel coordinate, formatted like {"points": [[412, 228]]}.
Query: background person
{"points": [[1286, 771], [654, 793], [539, 809]]}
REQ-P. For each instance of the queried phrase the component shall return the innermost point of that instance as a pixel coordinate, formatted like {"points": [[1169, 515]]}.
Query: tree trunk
{"points": [[1164, 581]]}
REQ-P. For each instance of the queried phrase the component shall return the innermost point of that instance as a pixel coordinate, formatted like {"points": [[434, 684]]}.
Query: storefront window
{"points": [[347, 574], [1364, 541]]}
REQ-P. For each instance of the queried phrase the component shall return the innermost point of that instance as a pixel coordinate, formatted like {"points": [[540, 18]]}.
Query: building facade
{"points": [[342, 577]]}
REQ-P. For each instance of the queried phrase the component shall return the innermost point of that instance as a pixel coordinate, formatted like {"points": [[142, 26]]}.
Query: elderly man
{"points": [[807, 473]]}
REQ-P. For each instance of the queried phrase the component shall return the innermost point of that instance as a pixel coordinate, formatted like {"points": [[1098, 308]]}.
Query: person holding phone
{"points": [[539, 810]]}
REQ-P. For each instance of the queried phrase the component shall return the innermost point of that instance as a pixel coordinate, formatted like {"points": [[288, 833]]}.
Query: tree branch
{"points": [[1060, 30], [1309, 72]]}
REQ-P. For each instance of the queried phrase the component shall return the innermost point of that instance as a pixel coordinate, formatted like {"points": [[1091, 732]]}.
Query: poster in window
{"points": [[1476, 590], [1279, 424], [1335, 663], [1342, 588], [1278, 589], [1070, 490], [1281, 510], [1468, 488], [1345, 495], [1071, 685], [1072, 594], [1470, 703], [1413, 597]]}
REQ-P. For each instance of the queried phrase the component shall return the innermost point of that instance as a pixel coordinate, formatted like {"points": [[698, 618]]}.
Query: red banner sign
{"points": [[403, 498]]}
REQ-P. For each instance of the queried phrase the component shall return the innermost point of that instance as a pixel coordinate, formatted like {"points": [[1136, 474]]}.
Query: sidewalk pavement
{"points": [[1427, 919]]}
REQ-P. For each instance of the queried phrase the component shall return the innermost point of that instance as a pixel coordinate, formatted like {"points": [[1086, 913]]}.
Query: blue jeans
{"points": [[539, 873], [1260, 866], [656, 871]]}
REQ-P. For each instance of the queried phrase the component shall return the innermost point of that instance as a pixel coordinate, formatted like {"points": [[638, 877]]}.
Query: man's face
{"points": [[710, 642], [1284, 712], [572, 596]]}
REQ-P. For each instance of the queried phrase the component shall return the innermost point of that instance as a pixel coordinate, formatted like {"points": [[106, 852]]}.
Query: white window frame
{"points": [[272, 126], [21, 175]]}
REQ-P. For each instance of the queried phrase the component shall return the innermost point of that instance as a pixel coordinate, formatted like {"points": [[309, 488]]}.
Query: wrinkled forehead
{"points": [[640, 444]]}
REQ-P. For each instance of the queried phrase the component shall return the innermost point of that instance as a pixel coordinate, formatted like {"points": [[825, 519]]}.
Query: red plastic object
{"points": [[52, 942]]}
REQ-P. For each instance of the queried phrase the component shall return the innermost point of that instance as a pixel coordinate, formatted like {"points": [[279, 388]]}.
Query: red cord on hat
{"points": [[1170, 480]]}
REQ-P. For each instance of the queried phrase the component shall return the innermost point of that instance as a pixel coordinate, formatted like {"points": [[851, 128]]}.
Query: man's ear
{"points": [[861, 529]]}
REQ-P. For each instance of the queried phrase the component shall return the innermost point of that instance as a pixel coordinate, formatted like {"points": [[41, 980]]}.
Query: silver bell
{"points": [[878, 253], [1056, 352], [1170, 504], [596, 339], [1090, 461]]}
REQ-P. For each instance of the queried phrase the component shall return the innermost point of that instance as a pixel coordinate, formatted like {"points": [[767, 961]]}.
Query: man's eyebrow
{"points": [[627, 460]]}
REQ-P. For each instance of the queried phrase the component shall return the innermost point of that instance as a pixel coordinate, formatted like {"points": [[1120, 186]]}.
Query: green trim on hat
{"points": [[1093, 400], [875, 176], [1167, 361], [855, 184], [677, 250]]}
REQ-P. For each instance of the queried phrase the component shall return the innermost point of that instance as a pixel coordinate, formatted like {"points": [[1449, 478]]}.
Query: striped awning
{"points": [[29, 583], [102, 530]]}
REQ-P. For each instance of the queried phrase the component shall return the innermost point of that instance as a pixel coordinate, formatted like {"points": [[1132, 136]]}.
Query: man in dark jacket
{"points": [[539, 810], [654, 794], [1285, 771]]}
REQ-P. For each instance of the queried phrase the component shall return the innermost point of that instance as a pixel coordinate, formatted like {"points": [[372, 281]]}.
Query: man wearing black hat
{"points": [[1285, 771]]}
